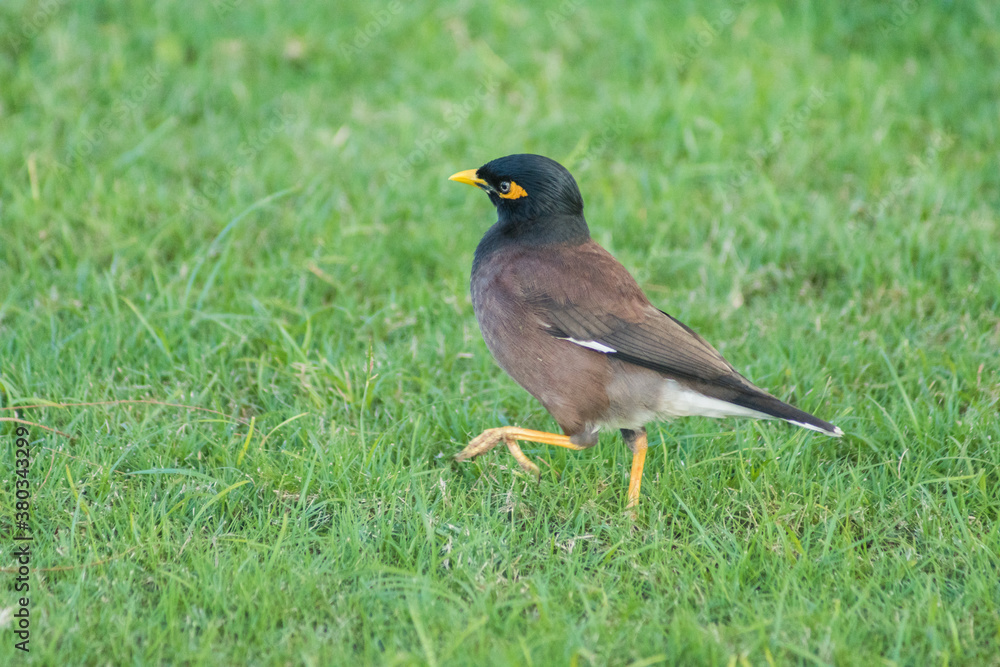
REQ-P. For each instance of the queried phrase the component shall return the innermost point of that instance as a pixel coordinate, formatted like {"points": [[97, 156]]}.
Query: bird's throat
{"points": [[555, 230], [544, 230]]}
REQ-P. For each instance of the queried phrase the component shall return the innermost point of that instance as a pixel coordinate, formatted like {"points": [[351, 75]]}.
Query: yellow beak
{"points": [[469, 176]]}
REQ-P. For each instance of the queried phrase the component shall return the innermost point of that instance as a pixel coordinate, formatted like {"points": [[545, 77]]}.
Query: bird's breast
{"points": [[567, 379]]}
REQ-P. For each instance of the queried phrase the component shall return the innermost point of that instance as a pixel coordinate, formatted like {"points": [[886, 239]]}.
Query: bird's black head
{"points": [[535, 197]]}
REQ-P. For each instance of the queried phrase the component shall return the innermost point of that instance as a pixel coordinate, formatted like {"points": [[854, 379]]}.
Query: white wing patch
{"points": [[593, 345]]}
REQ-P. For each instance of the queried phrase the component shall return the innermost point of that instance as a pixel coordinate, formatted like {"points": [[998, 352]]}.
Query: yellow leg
{"points": [[509, 435], [638, 461]]}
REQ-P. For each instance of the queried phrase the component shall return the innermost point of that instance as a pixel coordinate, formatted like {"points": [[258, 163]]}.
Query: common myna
{"points": [[571, 325]]}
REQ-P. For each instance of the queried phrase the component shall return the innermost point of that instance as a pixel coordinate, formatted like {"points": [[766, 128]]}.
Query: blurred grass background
{"points": [[243, 207]]}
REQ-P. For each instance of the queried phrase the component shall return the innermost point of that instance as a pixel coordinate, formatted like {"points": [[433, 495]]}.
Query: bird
{"points": [[571, 325]]}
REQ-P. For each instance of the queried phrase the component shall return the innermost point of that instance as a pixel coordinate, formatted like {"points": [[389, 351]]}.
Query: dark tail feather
{"points": [[769, 405]]}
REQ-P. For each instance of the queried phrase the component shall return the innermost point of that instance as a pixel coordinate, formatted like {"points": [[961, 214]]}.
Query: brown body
{"points": [[575, 384], [518, 301]]}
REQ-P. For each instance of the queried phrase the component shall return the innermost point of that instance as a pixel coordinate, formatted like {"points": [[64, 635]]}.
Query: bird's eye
{"points": [[511, 190]]}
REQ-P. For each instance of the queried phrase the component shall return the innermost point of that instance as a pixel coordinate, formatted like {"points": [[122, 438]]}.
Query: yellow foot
{"points": [[635, 479], [509, 435]]}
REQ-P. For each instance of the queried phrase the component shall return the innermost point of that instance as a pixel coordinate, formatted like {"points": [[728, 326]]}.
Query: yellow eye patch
{"points": [[515, 192]]}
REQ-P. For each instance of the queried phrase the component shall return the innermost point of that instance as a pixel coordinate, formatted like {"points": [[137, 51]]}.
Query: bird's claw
{"points": [[481, 444], [489, 439]]}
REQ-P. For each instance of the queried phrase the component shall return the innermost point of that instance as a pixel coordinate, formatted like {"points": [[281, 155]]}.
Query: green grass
{"points": [[244, 207]]}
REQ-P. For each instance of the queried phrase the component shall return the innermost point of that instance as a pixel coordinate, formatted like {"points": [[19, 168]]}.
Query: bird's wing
{"points": [[589, 299], [658, 341]]}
